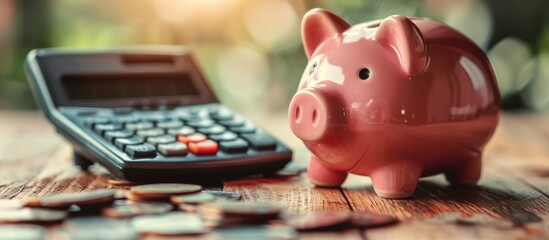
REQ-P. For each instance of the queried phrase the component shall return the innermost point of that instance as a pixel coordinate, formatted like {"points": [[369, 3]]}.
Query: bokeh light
{"points": [[251, 50]]}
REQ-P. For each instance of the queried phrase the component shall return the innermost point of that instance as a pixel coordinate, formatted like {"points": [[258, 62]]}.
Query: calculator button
{"points": [[156, 118], [152, 132], [192, 118], [123, 110], [248, 128], [202, 123], [127, 119], [139, 125], [235, 146], [260, 141], [235, 122], [222, 115], [122, 142], [101, 128], [111, 135], [207, 147], [86, 113], [214, 129], [141, 150], [163, 139], [196, 137], [170, 124], [185, 130], [91, 121], [226, 136], [173, 149]]}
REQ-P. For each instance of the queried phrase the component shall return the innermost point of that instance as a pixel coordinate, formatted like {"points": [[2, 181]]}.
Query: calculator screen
{"points": [[87, 87]]}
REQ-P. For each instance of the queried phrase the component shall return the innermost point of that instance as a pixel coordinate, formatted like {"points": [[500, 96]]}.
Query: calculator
{"points": [[147, 114]]}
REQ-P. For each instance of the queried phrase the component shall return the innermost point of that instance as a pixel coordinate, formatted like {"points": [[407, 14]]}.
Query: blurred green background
{"points": [[251, 50]]}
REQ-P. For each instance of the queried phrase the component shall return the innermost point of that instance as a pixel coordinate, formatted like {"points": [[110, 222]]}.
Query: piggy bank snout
{"points": [[308, 115]]}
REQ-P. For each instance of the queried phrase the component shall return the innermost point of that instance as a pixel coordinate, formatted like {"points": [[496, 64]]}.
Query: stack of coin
{"points": [[161, 191], [221, 214]]}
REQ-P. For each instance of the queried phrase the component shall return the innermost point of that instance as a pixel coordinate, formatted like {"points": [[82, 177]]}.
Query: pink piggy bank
{"points": [[394, 99]]}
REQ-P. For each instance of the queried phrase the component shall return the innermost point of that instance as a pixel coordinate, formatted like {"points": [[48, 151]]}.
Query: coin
{"points": [[121, 194], [94, 228], [318, 220], [187, 208], [121, 182], [171, 224], [244, 209], [127, 209], [82, 199], [22, 231], [10, 204], [164, 190], [196, 198], [255, 232], [224, 196], [369, 220], [32, 215], [223, 214]]}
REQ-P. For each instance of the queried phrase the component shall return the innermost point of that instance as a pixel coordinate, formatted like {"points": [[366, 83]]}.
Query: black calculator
{"points": [[148, 114]]}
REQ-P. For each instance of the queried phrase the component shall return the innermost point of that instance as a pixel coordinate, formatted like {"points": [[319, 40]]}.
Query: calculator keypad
{"points": [[202, 132]]}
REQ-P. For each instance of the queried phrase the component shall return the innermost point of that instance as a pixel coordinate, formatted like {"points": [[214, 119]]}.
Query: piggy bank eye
{"points": [[364, 73], [312, 69]]}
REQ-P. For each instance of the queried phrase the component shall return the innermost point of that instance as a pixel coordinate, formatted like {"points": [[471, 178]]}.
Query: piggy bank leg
{"points": [[395, 181], [322, 176], [467, 174]]}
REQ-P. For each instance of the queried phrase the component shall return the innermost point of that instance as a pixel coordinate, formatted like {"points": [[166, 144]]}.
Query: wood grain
{"points": [[510, 202]]}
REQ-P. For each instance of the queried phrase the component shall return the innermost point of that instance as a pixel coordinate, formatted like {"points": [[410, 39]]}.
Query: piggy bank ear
{"points": [[404, 36], [319, 25]]}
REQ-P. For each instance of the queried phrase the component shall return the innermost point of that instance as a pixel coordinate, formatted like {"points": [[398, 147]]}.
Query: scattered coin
{"points": [[32, 215], [187, 208], [121, 182], [34, 202], [127, 209], [318, 220], [218, 214], [164, 190], [255, 232], [368, 220], [10, 204], [22, 231], [196, 198], [224, 196], [171, 224], [121, 194], [241, 209], [95, 228], [82, 199]]}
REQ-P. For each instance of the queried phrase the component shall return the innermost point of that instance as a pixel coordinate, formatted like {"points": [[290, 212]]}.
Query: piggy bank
{"points": [[393, 99]]}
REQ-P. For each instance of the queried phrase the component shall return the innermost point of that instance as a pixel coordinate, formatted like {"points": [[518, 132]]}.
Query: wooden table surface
{"points": [[511, 201]]}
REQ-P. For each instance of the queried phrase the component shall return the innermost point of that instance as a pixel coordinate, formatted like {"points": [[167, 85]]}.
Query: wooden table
{"points": [[511, 201]]}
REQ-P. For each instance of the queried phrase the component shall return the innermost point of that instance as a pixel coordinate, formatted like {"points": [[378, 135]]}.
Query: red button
{"points": [[196, 137], [207, 147]]}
